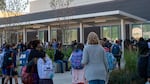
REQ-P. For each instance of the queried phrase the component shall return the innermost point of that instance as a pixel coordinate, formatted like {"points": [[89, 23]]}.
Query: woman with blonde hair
{"points": [[94, 59]]}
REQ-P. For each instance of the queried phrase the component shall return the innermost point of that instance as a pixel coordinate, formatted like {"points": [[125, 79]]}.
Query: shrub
{"points": [[67, 52], [50, 53], [128, 75]]}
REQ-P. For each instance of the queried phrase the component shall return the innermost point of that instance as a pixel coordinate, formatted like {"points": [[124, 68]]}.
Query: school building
{"points": [[113, 19]]}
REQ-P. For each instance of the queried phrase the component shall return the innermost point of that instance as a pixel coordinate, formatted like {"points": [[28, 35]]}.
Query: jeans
{"points": [[97, 82], [66, 63], [61, 65]]}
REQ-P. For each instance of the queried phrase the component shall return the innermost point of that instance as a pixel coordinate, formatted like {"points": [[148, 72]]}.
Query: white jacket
{"points": [[45, 70]]}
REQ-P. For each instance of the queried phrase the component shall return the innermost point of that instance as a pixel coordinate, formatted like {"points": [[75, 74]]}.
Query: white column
{"points": [[122, 35], [81, 33], [4, 36], [49, 33], [130, 30], [24, 35]]}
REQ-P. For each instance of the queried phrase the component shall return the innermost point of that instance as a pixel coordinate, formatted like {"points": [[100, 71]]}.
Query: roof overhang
{"points": [[116, 13]]}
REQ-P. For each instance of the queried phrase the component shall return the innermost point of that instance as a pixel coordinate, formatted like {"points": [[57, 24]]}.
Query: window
{"points": [[20, 36], [41, 36], [70, 35], [136, 31], [107, 32], [53, 34], [111, 32], [146, 31], [115, 33]]}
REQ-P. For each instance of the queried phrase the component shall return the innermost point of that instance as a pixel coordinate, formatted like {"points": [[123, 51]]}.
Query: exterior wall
{"points": [[43, 5], [91, 29], [32, 35]]}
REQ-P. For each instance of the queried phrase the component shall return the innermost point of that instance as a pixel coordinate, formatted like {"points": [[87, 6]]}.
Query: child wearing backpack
{"points": [[10, 64], [78, 76], [116, 51], [45, 69]]}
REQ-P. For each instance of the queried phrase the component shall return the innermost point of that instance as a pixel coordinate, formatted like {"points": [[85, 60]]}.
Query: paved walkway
{"points": [[59, 78], [62, 78], [65, 78]]}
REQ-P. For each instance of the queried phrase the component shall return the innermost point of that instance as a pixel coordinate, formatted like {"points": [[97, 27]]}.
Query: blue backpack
{"points": [[76, 59], [8, 59], [115, 49], [24, 57], [111, 61]]}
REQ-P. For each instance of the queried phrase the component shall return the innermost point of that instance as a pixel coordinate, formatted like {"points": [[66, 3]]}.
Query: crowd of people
{"points": [[89, 63]]}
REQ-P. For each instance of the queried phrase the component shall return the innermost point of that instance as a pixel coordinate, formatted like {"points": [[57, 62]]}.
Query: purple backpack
{"points": [[76, 59]]}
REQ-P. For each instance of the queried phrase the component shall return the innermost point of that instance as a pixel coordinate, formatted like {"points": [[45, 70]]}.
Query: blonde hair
{"points": [[92, 38]]}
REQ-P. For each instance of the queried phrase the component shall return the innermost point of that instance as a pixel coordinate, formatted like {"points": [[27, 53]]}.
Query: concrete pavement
{"points": [[59, 78]]}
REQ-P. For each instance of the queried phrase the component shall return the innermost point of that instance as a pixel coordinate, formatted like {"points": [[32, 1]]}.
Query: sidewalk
{"points": [[62, 78], [59, 78]]}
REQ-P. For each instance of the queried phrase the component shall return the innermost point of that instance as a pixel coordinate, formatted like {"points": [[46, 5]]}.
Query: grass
{"points": [[129, 74]]}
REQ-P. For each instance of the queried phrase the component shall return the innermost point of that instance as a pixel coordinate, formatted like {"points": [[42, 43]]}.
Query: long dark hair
{"points": [[79, 46]]}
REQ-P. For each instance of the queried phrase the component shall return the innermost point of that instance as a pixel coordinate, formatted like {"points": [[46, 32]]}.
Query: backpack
{"points": [[115, 49], [28, 78], [24, 57], [8, 59], [76, 58], [143, 47], [111, 61]]}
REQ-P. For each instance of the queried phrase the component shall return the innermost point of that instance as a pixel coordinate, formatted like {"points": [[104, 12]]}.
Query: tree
{"points": [[11, 8], [64, 26], [2, 4], [57, 4]]}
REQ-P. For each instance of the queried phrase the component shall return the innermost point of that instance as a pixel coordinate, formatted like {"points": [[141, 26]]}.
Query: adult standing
{"points": [[32, 61], [94, 59], [143, 60]]}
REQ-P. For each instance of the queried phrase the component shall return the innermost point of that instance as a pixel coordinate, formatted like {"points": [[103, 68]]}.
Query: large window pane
{"points": [[146, 31], [20, 36], [70, 35], [115, 33], [41, 36], [136, 31], [107, 32], [54, 34]]}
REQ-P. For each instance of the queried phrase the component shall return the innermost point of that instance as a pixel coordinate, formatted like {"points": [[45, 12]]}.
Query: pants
{"points": [[61, 65], [66, 63], [97, 82]]}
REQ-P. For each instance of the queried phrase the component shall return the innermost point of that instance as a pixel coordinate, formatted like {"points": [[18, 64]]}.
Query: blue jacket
{"points": [[1, 58]]}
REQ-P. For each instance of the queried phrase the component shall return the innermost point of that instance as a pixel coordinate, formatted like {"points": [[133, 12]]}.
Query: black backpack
{"points": [[8, 59]]}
